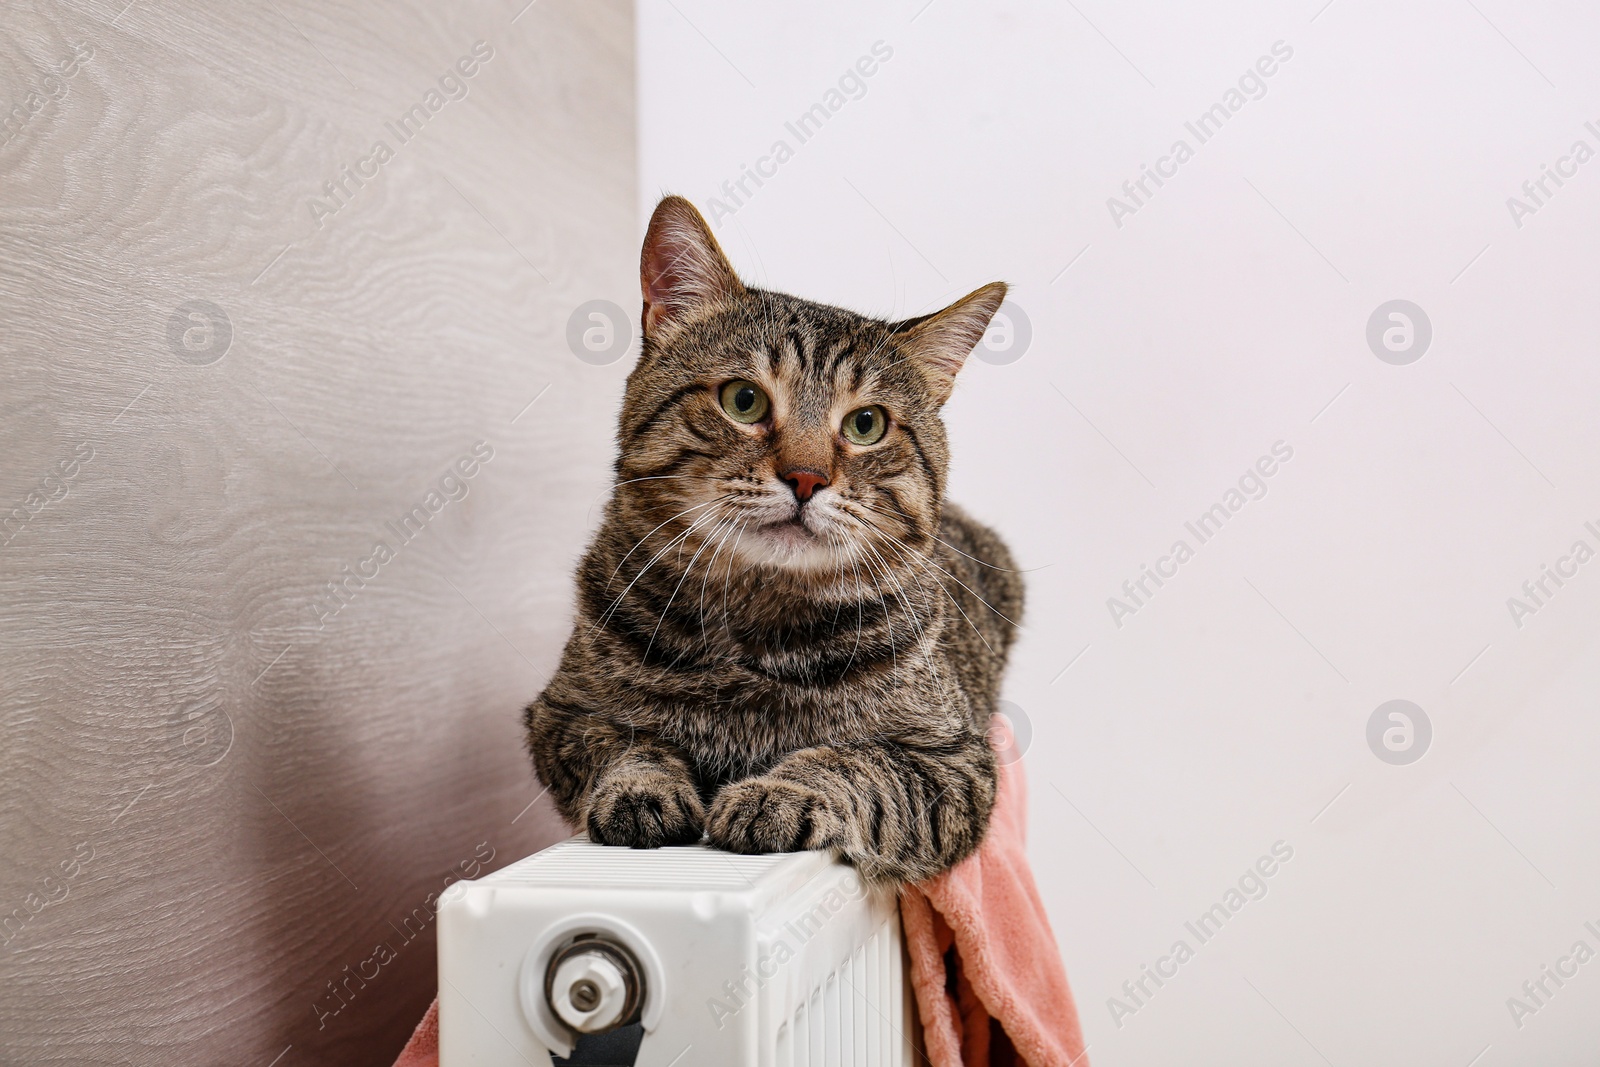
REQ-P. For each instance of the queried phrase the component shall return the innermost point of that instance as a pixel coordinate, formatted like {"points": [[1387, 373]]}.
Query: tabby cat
{"points": [[786, 638]]}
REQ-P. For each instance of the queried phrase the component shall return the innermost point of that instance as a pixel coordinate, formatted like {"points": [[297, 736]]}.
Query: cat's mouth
{"points": [[790, 532], [797, 540]]}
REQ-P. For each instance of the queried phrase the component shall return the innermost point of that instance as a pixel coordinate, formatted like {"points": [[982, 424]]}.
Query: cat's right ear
{"points": [[682, 271], [940, 343]]}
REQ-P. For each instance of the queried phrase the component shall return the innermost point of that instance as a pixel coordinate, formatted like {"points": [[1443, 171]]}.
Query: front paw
{"points": [[645, 809], [761, 815]]}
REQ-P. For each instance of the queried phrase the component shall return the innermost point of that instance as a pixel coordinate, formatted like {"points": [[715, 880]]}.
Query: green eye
{"points": [[865, 426], [744, 401]]}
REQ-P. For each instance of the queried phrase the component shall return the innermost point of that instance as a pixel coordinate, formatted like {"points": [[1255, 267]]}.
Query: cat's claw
{"points": [[761, 815], [645, 810]]}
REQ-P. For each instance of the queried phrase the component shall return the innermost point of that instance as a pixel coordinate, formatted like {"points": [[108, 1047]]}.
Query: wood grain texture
{"points": [[218, 795]]}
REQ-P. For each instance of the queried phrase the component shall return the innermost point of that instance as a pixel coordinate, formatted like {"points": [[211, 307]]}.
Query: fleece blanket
{"points": [[987, 974]]}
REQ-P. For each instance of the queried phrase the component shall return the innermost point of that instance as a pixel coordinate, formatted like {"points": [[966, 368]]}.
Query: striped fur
{"points": [[769, 674]]}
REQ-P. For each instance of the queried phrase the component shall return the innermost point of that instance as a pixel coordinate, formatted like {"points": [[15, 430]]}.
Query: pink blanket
{"points": [[1011, 1005], [423, 1048]]}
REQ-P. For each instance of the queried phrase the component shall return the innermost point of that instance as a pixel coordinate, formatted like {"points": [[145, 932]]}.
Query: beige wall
{"points": [[216, 792]]}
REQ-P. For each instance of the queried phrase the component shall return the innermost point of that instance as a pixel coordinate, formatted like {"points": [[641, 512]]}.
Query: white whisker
{"points": [[705, 542], [647, 536]]}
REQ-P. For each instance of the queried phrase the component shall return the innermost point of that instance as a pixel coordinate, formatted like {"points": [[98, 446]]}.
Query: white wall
{"points": [[1228, 313]]}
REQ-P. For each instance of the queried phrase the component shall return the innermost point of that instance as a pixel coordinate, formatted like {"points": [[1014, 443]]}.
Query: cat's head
{"points": [[791, 434]]}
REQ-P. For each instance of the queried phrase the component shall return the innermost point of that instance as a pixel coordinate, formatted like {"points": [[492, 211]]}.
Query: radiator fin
{"points": [[855, 1017]]}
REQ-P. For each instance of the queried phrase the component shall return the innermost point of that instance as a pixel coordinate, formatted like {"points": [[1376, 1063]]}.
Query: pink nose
{"points": [[805, 482]]}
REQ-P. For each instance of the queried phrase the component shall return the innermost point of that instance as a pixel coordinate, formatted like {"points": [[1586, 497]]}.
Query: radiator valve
{"points": [[594, 984]]}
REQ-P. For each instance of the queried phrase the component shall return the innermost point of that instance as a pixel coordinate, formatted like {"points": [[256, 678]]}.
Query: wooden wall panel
{"points": [[222, 790]]}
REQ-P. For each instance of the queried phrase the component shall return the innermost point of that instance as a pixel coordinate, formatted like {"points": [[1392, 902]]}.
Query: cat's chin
{"points": [[790, 546]]}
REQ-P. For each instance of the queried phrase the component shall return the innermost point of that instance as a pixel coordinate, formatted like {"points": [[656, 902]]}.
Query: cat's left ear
{"points": [[682, 271], [940, 343]]}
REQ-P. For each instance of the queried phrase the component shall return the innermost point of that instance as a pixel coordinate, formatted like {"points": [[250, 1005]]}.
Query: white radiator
{"points": [[678, 957]]}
